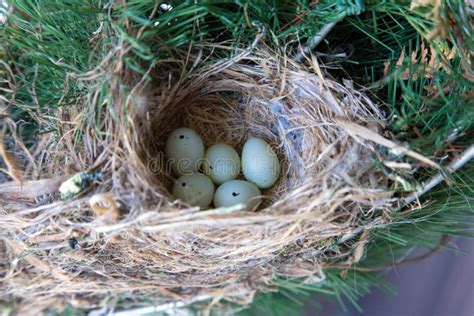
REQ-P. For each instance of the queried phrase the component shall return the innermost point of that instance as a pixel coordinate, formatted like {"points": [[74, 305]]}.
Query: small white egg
{"points": [[260, 164], [237, 192], [221, 163], [195, 189], [184, 150]]}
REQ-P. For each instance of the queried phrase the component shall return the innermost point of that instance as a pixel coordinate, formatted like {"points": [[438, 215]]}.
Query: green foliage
{"points": [[45, 43], [46, 40], [215, 21], [293, 296], [448, 211], [428, 103]]}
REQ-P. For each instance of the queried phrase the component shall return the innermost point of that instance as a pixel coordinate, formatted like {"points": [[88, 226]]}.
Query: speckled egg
{"points": [[195, 189], [260, 164], [184, 151], [221, 163], [237, 192]]}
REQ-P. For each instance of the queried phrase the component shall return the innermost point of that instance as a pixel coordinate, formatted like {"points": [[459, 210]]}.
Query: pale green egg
{"points": [[260, 164], [184, 151], [221, 163], [195, 189], [237, 192]]}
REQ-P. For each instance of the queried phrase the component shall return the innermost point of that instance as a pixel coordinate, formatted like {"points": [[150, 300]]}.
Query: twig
{"points": [[354, 8], [314, 41], [457, 163], [443, 241]]}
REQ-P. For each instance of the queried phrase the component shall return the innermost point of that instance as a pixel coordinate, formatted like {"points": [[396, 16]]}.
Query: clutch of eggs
{"points": [[221, 165]]}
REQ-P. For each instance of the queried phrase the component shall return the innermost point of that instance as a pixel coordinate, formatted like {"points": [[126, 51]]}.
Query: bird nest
{"points": [[330, 193]]}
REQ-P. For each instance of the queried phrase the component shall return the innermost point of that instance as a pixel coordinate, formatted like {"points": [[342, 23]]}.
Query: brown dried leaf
{"points": [[368, 134], [400, 59], [386, 67]]}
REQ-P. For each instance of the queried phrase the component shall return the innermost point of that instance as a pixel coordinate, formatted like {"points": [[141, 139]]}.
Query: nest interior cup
{"points": [[296, 112], [221, 109]]}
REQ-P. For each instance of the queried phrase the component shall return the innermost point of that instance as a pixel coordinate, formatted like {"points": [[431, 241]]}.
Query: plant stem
{"points": [[457, 163]]}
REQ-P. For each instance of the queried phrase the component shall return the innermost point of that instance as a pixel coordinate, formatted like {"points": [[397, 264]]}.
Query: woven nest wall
{"points": [[316, 216]]}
